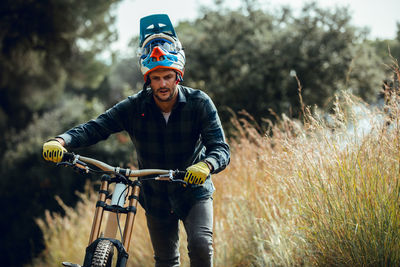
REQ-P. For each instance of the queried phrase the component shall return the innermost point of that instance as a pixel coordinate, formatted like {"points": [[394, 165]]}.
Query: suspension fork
{"points": [[133, 197]]}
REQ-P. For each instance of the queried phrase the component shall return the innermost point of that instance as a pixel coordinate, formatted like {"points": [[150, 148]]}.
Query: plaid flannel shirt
{"points": [[193, 133]]}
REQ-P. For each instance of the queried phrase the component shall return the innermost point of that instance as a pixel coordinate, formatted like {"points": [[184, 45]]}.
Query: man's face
{"points": [[164, 85]]}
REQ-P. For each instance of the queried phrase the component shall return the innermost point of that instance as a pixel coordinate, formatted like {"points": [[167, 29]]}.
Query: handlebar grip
{"points": [[68, 156], [179, 175]]}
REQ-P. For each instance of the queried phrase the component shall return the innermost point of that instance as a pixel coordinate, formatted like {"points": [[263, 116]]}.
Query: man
{"points": [[172, 127]]}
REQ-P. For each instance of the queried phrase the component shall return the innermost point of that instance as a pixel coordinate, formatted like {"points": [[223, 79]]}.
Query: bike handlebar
{"points": [[81, 163]]}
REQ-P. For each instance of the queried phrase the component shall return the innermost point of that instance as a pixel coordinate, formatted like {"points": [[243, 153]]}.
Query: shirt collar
{"points": [[181, 95], [149, 96]]}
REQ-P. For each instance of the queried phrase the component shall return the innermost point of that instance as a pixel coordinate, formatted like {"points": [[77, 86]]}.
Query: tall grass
{"points": [[320, 192], [347, 192]]}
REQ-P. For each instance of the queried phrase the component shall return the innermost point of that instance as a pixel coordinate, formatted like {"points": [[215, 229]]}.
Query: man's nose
{"points": [[163, 82]]}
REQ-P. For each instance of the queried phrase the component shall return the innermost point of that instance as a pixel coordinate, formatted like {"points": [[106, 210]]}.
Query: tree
{"points": [[387, 49], [49, 54], [44, 44], [247, 58]]}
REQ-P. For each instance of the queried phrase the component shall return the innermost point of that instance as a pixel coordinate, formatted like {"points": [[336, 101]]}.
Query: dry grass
{"points": [[322, 192]]}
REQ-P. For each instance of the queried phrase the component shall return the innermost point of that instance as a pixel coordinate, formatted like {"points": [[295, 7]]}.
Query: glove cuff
{"points": [[62, 143], [209, 165], [52, 139]]}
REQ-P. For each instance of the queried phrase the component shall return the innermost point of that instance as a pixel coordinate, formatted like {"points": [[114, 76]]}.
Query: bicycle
{"points": [[123, 200]]}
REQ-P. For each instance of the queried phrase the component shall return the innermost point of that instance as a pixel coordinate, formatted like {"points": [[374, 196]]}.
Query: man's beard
{"points": [[171, 96]]}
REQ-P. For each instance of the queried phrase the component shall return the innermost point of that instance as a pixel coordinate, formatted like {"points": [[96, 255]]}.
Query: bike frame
{"points": [[132, 189]]}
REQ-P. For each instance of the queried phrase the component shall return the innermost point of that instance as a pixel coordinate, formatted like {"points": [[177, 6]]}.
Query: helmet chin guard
{"points": [[159, 46]]}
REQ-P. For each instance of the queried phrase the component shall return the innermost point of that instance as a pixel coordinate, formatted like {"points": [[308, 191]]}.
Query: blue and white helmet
{"points": [[159, 46]]}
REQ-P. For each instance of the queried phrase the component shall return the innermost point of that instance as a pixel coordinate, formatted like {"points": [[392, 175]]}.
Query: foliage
{"points": [[348, 189], [125, 78], [29, 183], [43, 45], [251, 56], [388, 47], [46, 48]]}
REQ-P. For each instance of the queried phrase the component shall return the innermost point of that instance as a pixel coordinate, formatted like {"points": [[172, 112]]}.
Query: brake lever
{"points": [[170, 177], [77, 165], [179, 181], [65, 163], [179, 175]]}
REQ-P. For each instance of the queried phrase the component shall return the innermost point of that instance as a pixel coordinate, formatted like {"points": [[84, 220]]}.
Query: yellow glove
{"points": [[53, 151], [197, 173]]}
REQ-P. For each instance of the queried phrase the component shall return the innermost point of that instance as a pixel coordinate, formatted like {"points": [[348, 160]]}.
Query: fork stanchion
{"points": [[98, 215], [130, 218]]}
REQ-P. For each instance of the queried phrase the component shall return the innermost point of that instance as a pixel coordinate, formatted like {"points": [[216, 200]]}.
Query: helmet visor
{"points": [[160, 42]]}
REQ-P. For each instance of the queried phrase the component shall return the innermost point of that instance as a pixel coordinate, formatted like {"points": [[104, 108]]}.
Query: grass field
{"points": [[323, 191]]}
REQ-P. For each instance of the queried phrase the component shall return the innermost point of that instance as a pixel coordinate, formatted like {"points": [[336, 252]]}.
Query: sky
{"points": [[380, 16]]}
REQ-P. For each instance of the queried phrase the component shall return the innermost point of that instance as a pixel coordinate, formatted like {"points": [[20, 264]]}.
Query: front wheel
{"points": [[103, 254]]}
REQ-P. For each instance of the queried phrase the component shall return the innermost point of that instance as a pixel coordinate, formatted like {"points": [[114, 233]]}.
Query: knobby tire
{"points": [[103, 254]]}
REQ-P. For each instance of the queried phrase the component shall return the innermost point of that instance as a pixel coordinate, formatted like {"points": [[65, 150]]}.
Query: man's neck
{"points": [[168, 105], [165, 106]]}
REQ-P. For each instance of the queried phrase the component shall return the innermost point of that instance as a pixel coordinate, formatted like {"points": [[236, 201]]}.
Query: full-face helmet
{"points": [[159, 46]]}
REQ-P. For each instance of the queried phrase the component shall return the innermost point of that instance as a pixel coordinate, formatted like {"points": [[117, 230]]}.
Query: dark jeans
{"points": [[164, 234]]}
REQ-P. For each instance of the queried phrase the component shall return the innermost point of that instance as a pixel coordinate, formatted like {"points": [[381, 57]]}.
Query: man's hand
{"points": [[197, 173], [53, 151]]}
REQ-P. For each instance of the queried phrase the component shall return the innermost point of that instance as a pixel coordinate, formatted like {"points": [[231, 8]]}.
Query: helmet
{"points": [[159, 46]]}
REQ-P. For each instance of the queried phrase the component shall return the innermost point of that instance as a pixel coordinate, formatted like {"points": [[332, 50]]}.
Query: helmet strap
{"points": [[179, 77], [147, 83]]}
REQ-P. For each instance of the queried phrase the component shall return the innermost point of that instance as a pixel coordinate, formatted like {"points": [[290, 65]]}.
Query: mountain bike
{"points": [[120, 198]]}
